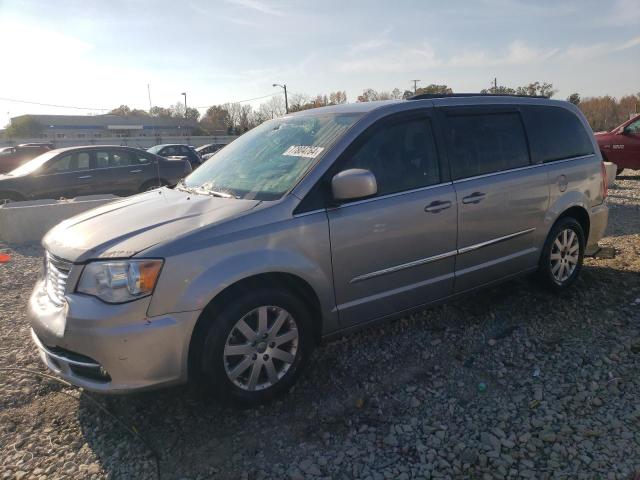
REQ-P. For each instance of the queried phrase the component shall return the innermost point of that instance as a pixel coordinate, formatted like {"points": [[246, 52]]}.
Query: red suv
{"points": [[622, 144]]}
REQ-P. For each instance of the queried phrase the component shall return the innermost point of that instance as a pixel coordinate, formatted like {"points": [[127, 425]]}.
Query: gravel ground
{"points": [[512, 382]]}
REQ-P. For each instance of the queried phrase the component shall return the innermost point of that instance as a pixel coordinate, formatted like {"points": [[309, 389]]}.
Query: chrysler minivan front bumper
{"points": [[110, 348]]}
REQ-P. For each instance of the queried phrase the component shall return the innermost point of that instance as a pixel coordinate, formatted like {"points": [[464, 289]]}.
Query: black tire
{"points": [[214, 364], [546, 269], [6, 197]]}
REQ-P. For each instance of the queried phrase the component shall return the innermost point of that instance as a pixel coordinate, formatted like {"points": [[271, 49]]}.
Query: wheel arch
{"points": [[581, 215], [290, 281]]}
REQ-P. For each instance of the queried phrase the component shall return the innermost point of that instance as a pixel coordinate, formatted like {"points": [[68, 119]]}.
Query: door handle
{"points": [[135, 171], [475, 197], [84, 177], [437, 206]]}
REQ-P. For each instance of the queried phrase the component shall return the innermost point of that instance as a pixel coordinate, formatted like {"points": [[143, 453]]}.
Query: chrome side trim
{"points": [[528, 167], [58, 357], [422, 261], [476, 246], [397, 268]]}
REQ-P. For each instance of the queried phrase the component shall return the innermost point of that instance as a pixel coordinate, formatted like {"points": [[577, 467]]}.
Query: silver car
{"points": [[312, 225]]}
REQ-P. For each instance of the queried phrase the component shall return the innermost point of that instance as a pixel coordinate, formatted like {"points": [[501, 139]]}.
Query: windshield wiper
{"points": [[219, 194]]}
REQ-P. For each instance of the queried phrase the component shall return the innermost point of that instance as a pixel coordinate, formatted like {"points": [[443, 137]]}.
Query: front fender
{"points": [[300, 247]]}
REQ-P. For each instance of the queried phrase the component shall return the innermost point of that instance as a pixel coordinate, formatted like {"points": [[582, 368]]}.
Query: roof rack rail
{"points": [[423, 96]]}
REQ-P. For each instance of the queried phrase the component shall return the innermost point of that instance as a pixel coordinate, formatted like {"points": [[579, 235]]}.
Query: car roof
{"points": [[92, 147], [432, 100]]}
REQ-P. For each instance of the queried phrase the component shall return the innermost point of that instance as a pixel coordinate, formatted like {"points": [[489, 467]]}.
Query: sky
{"points": [[101, 54]]}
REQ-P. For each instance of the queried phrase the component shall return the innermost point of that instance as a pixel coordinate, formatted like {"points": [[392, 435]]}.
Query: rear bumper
{"points": [[599, 216], [110, 348]]}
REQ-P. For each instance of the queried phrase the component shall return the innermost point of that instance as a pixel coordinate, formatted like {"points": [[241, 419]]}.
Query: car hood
{"points": [[123, 228]]}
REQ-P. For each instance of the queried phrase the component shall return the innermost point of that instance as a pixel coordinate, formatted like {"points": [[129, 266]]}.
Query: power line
{"points": [[29, 102], [244, 101], [50, 104]]}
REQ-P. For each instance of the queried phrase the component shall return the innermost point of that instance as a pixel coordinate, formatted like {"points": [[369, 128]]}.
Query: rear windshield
{"points": [[33, 165], [269, 160]]}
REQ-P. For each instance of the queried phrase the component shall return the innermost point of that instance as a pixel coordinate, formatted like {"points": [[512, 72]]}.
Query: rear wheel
{"points": [[256, 346], [562, 255], [6, 197]]}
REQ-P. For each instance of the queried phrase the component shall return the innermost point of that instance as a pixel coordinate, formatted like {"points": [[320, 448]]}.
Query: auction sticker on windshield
{"points": [[303, 151]]}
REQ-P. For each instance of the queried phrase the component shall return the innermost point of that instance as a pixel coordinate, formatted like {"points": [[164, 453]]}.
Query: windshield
{"points": [[266, 162], [33, 165]]}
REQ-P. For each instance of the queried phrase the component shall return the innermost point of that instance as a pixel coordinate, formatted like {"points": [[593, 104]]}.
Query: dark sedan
{"points": [[178, 150], [209, 148], [75, 171]]}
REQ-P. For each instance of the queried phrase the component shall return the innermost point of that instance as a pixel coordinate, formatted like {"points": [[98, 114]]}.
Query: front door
{"points": [[68, 176], [502, 198], [396, 250]]}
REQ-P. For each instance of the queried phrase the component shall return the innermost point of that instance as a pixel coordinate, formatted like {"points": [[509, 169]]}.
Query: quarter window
{"points": [[555, 133], [401, 155], [486, 143]]}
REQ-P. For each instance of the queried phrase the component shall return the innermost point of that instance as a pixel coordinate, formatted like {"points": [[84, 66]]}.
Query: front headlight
{"points": [[119, 281]]}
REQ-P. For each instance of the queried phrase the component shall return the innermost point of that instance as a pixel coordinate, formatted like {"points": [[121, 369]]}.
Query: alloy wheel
{"points": [[565, 253], [261, 348]]}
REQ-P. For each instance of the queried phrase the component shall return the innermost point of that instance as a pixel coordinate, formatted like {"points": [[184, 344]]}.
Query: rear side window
{"points": [[555, 134], [485, 143]]}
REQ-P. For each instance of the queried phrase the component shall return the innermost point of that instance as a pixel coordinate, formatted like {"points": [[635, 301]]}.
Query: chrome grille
{"points": [[56, 274]]}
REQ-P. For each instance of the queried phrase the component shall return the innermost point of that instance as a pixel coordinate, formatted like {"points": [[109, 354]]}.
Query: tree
{"points": [[136, 112], [606, 113], [160, 112], [434, 89], [177, 111], [371, 95], [574, 98], [215, 118], [23, 127], [122, 110], [536, 88], [498, 90], [338, 97]]}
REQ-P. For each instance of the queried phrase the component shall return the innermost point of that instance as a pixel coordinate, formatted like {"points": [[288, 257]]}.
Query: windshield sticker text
{"points": [[303, 151]]}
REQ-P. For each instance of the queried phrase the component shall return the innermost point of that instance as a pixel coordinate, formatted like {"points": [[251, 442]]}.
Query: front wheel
{"points": [[562, 255], [256, 346]]}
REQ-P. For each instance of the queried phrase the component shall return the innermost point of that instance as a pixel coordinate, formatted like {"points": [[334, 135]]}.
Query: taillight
{"points": [[605, 188]]}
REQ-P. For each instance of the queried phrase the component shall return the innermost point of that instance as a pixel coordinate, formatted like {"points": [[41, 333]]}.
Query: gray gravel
{"points": [[512, 382]]}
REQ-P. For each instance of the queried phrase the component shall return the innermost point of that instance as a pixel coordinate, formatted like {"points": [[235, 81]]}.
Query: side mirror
{"points": [[353, 184]]}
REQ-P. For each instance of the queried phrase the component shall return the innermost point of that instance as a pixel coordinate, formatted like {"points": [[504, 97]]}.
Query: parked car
{"points": [[12, 157], [312, 225], [622, 144], [177, 151], [209, 150], [75, 171]]}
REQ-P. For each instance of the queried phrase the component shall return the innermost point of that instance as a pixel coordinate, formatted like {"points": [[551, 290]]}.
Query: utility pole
{"points": [[185, 104], [495, 84], [415, 85], [286, 100], [149, 93]]}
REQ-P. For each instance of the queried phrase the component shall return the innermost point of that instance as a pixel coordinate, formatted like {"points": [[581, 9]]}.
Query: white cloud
{"points": [[395, 58], [258, 5]]}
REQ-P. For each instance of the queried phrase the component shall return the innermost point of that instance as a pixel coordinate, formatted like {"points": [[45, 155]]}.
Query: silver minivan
{"points": [[312, 225]]}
